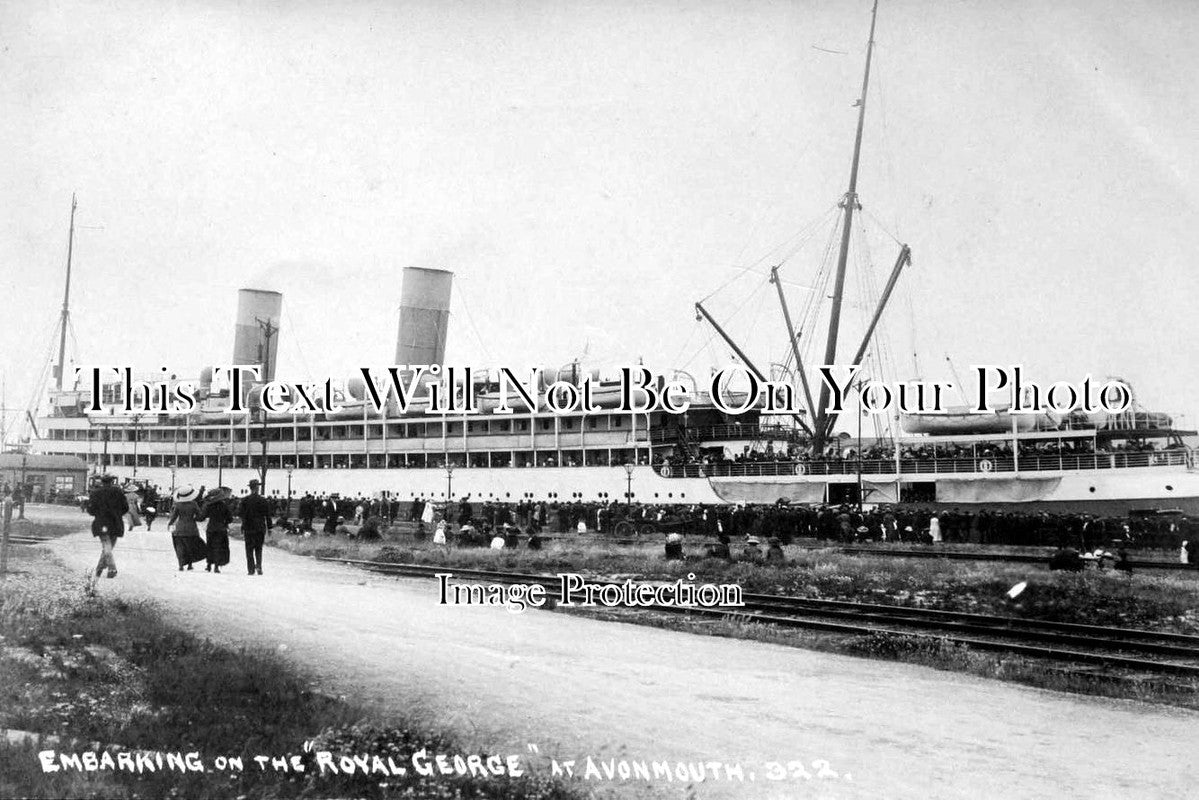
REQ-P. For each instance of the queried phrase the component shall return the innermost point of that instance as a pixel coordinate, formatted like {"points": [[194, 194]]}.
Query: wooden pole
{"points": [[850, 204], [6, 504], [66, 303]]}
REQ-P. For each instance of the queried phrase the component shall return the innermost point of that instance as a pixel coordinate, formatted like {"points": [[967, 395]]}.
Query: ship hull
{"points": [[1118, 492], [1107, 492]]}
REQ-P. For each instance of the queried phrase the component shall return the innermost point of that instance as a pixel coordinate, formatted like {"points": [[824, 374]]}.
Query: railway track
{"points": [[24, 539], [1015, 558], [1108, 647]]}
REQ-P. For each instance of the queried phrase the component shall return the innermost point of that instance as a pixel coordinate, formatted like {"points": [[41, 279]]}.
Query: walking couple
{"points": [[188, 511]]}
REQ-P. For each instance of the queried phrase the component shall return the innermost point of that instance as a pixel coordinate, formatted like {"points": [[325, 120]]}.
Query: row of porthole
{"points": [[605, 495], [1169, 488], [574, 495]]}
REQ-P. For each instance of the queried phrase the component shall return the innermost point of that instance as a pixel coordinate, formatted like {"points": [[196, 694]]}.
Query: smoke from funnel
{"points": [[424, 316], [256, 332]]}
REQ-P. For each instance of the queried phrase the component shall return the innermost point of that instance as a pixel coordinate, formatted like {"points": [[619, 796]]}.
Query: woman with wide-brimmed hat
{"points": [[216, 509], [132, 517], [189, 547]]}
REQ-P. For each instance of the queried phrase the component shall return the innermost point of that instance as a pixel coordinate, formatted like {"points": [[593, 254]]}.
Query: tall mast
{"points": [[849, 203], [66, 303]]}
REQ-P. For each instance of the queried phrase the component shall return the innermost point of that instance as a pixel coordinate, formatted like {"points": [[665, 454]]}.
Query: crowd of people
{"points": [[841, 524], [35, 493], [489, 523], [1029, 448]]}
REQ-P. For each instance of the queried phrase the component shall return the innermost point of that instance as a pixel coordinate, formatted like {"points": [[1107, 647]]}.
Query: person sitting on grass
{"points": [[534, 542], [1123, 563], [372, 528], [720, 549], [752, 552], [511, 535], [1107, 559], [288, 526], [674, 547], [774, 552], [1066, 559]]}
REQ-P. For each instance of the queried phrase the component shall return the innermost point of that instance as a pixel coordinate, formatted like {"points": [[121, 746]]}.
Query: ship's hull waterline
{"points": [[1114, 492]]}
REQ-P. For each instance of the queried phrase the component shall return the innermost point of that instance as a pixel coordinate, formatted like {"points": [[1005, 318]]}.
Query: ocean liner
{"points": [[1102, 463]]}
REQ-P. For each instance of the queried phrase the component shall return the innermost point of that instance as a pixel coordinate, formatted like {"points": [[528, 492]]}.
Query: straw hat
{"points": [[185, 493]]}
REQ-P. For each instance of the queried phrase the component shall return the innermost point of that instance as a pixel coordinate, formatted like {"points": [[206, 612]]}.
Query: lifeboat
{"points": [[962, 420], [958, 420]]}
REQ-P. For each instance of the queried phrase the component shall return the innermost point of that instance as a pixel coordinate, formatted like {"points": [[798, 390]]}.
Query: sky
{"points": [[589, 170]]}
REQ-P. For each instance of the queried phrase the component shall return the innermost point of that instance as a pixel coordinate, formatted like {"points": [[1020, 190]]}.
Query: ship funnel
{"points": [[424, 316], [256, 332]]}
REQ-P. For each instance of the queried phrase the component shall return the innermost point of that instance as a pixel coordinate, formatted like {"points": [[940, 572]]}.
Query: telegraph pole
{"points": [[136, 436], [269, 330], [66, 303]]}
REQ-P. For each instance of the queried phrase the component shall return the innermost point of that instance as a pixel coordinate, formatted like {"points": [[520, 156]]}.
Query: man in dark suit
{"points": [[307, 512], [255, 519], [108, 505]]}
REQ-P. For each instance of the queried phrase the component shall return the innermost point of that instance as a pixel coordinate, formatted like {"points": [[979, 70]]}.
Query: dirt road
{"points": [[578, 687]]}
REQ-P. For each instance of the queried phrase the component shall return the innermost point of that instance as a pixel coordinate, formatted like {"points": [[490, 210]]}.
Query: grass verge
{"points": [[1153, 601]]}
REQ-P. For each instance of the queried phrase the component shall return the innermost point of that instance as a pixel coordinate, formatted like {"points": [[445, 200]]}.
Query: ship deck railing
{"points": [[1067, 430], [731, 431], [981, 465]]}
